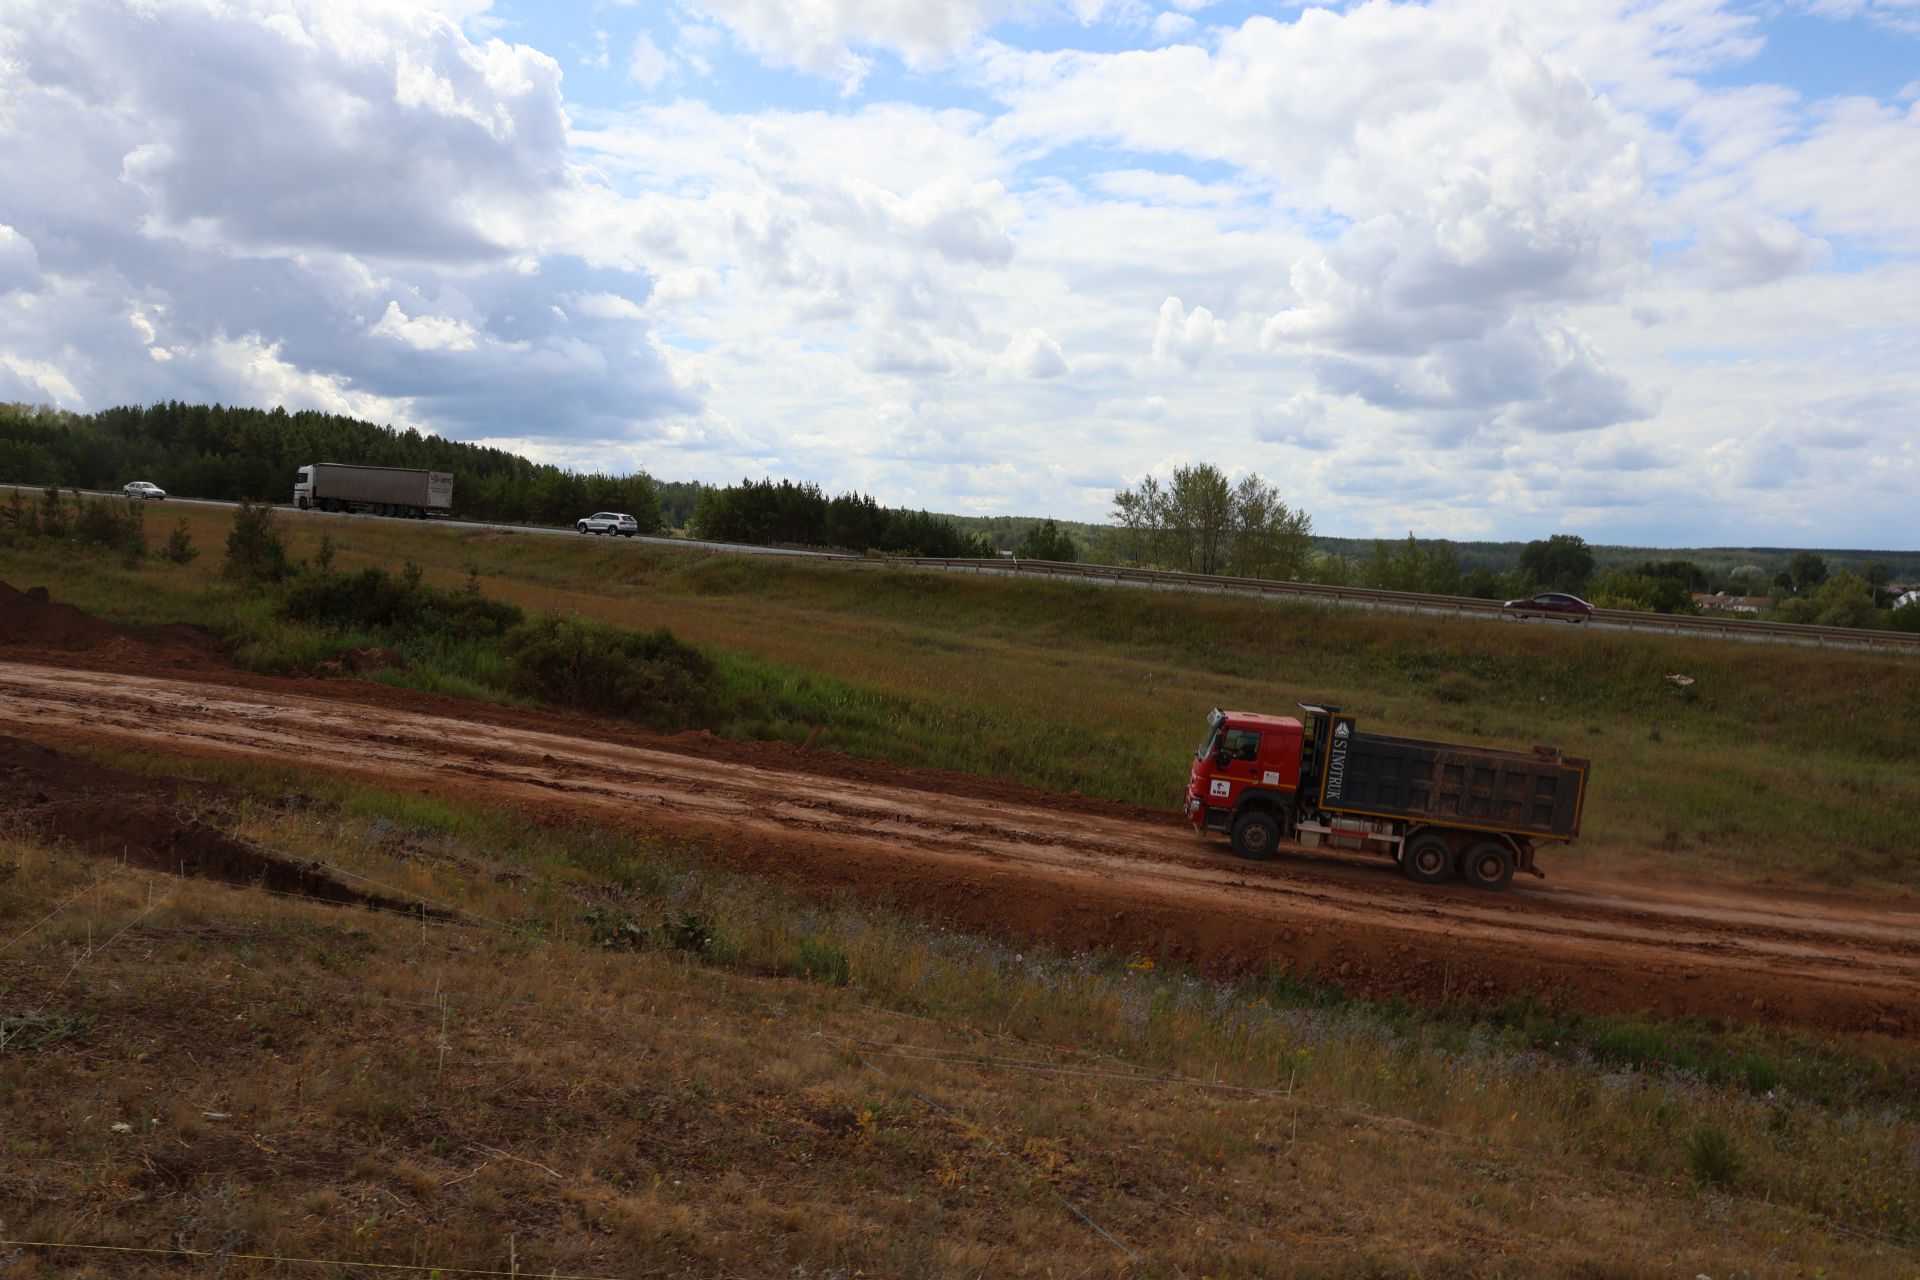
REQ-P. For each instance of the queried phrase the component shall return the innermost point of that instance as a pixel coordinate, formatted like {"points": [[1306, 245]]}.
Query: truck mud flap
{"points": [[1525, 863]]}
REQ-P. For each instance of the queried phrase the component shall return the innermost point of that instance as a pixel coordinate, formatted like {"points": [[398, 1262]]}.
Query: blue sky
{"points": [[1644, 270]]}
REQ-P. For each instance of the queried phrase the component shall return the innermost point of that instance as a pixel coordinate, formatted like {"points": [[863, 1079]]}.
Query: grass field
{"points": [[615, 1060], [1778, 763]]}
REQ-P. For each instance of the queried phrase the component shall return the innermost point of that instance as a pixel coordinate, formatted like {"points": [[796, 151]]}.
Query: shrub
{"points": [[118, 524], [648, 676], [1714, 1157], [255, 550], [19, 517], [179, 546], [374, 600], [820, 961], [53, 513]]}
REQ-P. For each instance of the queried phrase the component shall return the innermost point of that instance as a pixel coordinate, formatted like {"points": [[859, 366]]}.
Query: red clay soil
{"points": [[144, 822], [36, 630], [1073, 871], [33, 623]]}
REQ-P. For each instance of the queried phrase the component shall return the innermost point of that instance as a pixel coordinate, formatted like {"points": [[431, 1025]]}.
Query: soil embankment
{"points": [[988, 856], [1078, 878]]}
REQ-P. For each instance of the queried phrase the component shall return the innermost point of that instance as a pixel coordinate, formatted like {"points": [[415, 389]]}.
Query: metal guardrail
{"points": [[1738, 628]]}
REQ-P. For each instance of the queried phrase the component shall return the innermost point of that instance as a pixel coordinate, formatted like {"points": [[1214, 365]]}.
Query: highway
{"points": [[1748, 629]]}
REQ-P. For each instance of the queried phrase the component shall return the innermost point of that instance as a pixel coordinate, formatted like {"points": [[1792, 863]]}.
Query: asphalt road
{"points": [[1640, 623]]}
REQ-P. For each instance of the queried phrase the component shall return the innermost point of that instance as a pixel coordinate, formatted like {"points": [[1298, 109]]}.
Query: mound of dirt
{"points": [[32, 620], [143, 822]]}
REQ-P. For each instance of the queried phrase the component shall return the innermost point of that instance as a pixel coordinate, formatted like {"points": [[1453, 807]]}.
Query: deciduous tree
{"points": [[1201, 522], [1562, 562]]}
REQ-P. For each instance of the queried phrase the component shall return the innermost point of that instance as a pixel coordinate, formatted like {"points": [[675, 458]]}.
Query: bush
{"points": [[818, 960], [1714, 1157], [18, 517], [53, 512], [374, 600], [255, 550], [179, 547], [118, 524], [647, 676]]}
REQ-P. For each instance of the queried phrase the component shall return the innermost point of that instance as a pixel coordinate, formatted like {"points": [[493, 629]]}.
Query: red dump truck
{"points": [[1434, 807], [380, 491]]}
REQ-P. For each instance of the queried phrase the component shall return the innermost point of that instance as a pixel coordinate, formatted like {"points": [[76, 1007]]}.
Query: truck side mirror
{"points": [[1222, 758]]}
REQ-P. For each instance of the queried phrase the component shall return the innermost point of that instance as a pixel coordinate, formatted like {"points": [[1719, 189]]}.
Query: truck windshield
{"points": [[1208, 744]]}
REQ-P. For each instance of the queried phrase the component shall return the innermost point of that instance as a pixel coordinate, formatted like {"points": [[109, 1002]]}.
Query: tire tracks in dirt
{"points": [[1079, 873]]}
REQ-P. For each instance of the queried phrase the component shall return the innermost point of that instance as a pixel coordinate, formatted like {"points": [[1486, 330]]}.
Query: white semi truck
{"points": [[380, 491]]}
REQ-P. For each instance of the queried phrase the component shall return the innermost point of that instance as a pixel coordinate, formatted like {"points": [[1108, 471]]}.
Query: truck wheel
{"points": [[1255, 835], [1427, 859], [1489, 865]]}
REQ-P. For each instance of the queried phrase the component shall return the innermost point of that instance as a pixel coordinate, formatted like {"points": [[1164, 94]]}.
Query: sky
{"points": [[1643, 270]]}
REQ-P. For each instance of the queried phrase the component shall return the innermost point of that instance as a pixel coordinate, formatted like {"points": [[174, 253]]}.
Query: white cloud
{"points": [[1186, 336], [1293, 421], [351, 196], [1856, 173], [1537, 262], [1171, 26], [646, 64], [425, 333], [1902, 16], [1483, 183], [19, 263], [821, 36], [1737, 252], [38, 381], [1035, 355]]}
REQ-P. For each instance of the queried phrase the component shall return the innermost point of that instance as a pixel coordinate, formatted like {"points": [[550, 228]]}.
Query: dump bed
{"points": [[398, 485], [1538, 794]]}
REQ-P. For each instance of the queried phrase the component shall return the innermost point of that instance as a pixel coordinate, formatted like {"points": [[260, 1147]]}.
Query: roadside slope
{"points": [[1077, 872]]}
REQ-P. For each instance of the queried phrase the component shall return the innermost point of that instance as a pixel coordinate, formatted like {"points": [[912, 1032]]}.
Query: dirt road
{"points": [[1078, 872]]}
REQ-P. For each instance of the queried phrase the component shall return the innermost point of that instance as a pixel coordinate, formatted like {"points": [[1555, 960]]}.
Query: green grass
{"points": [[1779, 763]]}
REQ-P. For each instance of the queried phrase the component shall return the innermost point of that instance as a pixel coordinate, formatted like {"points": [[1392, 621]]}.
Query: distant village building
{"points": [[1724, 603], [1910, 597]]}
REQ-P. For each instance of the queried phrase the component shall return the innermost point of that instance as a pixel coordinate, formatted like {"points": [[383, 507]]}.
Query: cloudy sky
{"points": [[1646, 270]]}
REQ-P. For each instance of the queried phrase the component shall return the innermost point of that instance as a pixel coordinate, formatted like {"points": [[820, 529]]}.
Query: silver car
{"points": [[609, 522], [144, 489]]}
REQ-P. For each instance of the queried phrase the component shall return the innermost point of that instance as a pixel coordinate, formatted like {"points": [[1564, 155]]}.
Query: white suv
{"points": [[609, 522], [144, 489]]}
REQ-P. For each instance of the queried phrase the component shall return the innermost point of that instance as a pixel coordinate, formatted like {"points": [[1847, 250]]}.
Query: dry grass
{"points": [[523, 1088]]}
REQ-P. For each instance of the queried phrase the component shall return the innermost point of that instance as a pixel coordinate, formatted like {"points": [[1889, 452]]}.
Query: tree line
{"points": [[227, 452], [789, 513], [1199, 521]]}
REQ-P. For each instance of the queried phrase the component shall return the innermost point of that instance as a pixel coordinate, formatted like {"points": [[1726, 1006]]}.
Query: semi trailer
{"points": [[1436, 808], [380, 491]]}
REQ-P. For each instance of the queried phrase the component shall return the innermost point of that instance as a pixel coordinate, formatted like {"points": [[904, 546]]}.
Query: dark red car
{"points": [[1553, 604]]}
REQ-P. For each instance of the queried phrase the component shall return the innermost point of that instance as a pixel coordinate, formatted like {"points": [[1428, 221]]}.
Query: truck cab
{"points": [[1246, 777]]}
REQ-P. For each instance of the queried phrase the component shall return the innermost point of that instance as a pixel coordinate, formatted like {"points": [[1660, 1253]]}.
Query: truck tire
{"points": [[1489, 865], [1427, 859], [1255, 835]]}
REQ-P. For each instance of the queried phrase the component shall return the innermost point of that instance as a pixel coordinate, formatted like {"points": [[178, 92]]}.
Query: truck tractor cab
{"points": [[1245, 777], [303, 488]]}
